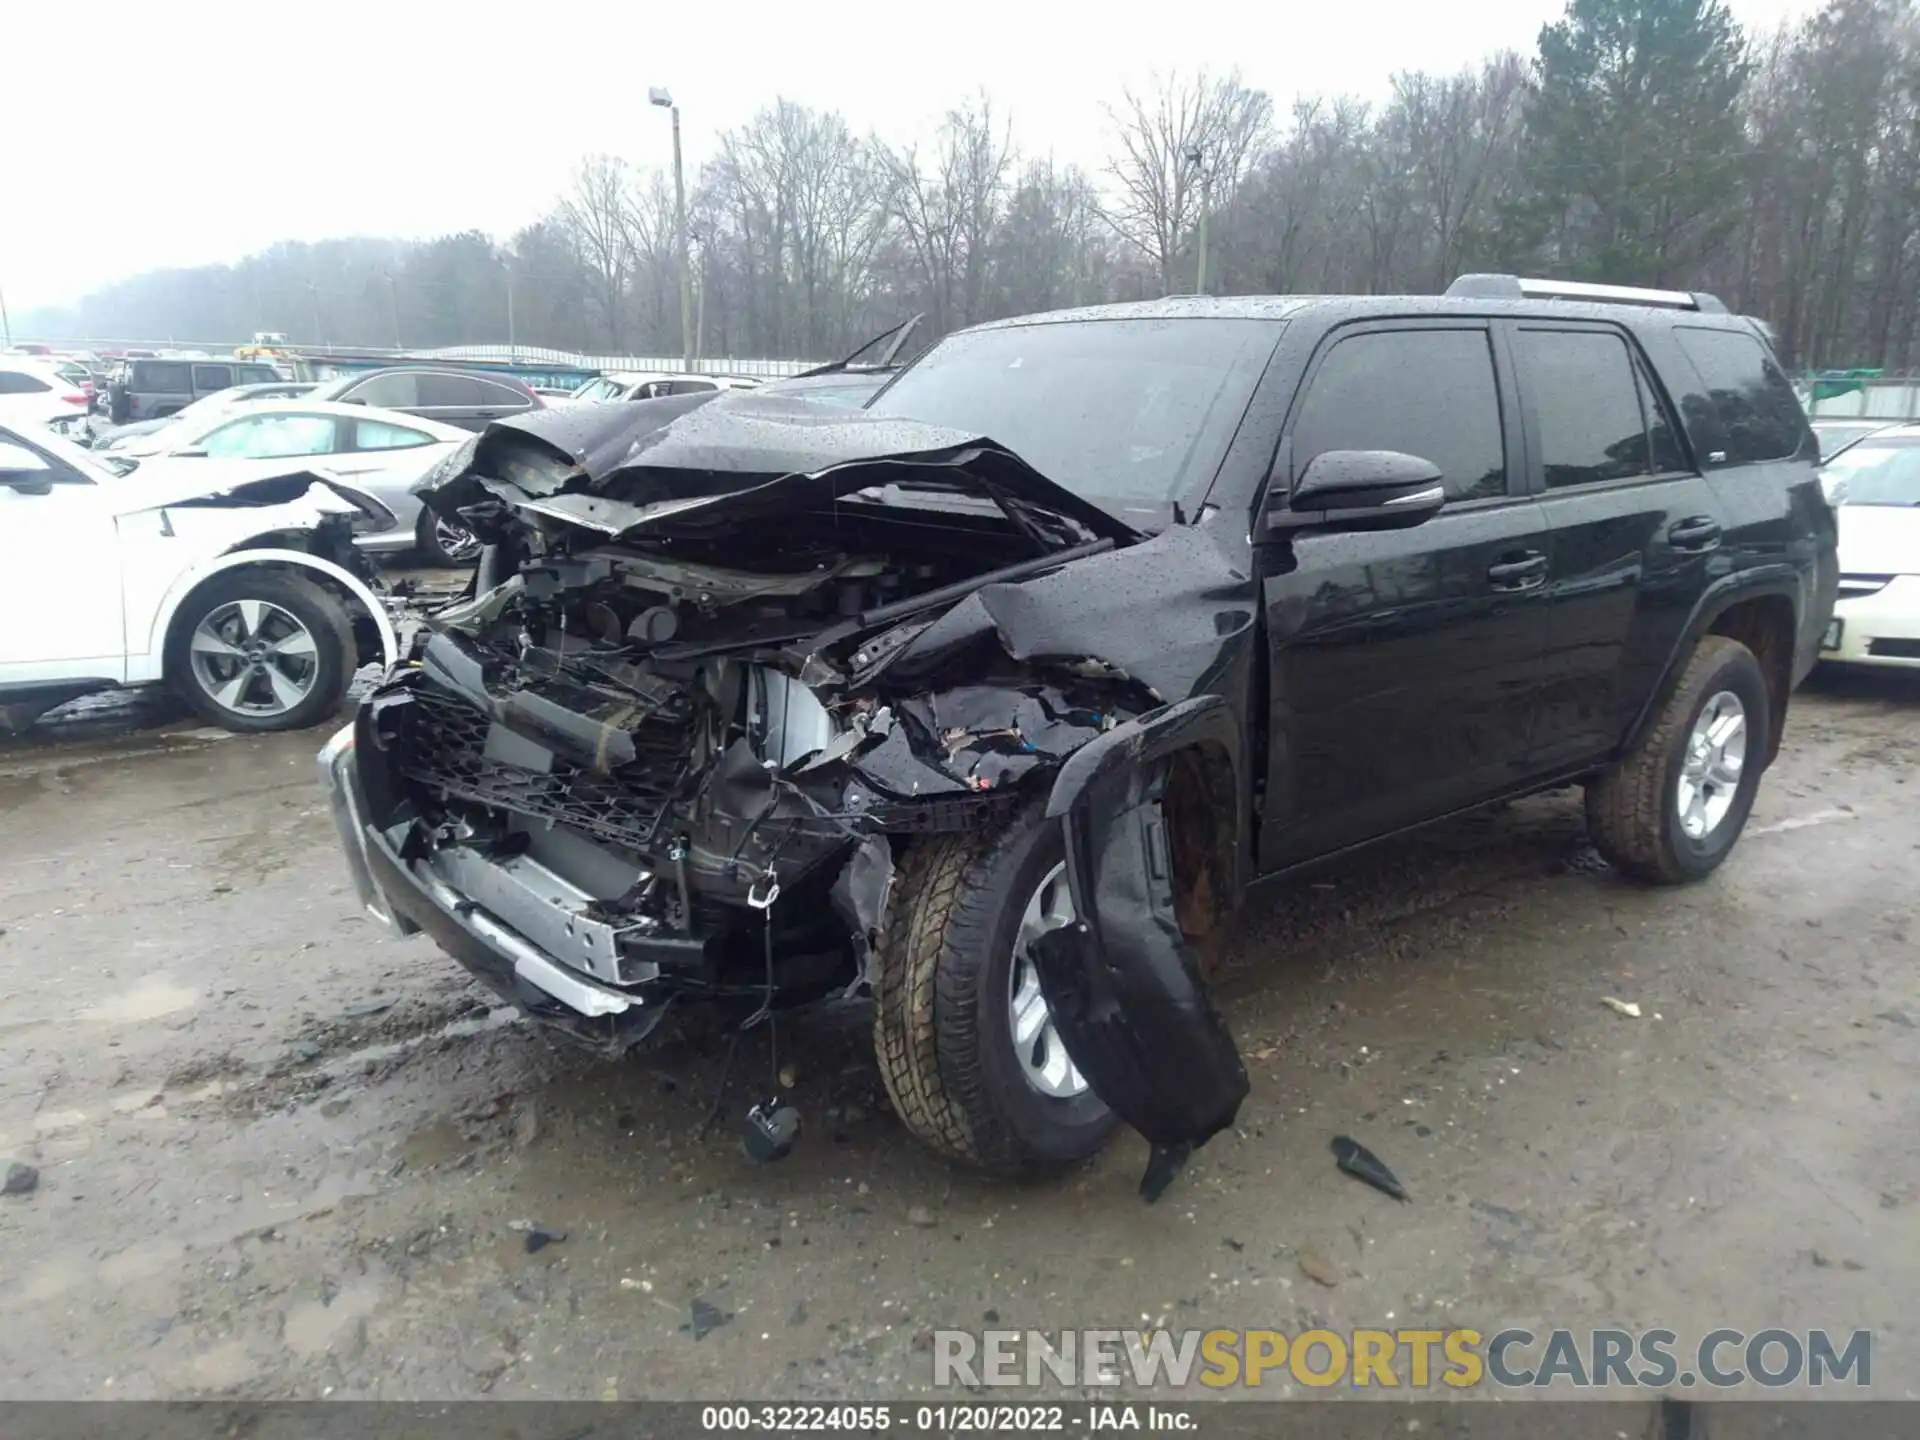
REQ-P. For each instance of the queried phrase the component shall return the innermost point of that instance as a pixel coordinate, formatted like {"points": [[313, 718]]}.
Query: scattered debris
{"points": [[1316, 1266], [21, 1179], [789, 1077], [1628, 1008], [541, 1236], [1896, 1017], [769, 1131], [1232, 1244], [373, 1005], [707, 1318], [1361, 1163], [920, 1215], [526, 1125], [627, 1282]]}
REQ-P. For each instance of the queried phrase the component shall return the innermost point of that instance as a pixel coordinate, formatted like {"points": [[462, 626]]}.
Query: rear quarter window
{"points": [[1760, 416]]}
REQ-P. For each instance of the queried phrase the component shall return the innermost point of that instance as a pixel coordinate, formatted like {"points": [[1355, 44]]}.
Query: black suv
{"points": [[991, 699]]}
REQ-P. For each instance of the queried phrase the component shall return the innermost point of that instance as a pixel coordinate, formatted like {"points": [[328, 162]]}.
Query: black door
{"points": [[1635, 531], [1404, 665]]}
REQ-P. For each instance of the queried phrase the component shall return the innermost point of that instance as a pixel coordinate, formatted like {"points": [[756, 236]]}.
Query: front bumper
{"points": [[1880, 628], [411, 896]]}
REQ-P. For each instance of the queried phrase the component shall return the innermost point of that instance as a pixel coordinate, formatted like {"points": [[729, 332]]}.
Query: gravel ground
{"points": [[282, 1155]]}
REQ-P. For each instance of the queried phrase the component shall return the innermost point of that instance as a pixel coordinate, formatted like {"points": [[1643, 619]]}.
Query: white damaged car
{"points": [[246, 596]]}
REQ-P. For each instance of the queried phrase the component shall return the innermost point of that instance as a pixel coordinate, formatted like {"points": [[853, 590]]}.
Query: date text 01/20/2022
{"points": [[944, 1419]]}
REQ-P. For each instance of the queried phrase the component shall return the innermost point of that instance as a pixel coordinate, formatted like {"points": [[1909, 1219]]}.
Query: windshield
{"points": [[1121, 412], [600, 389], [1876, 472]]}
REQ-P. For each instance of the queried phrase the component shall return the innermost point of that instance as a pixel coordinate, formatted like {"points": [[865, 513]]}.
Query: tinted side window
{"points": [[162, 378], [18, 382], [451, 390], [1429, 393], [1759, 412], [255, 374], [501, 397], [1663, 436], [688, 387], [212, 377], [1586, 405], [390, 392]]}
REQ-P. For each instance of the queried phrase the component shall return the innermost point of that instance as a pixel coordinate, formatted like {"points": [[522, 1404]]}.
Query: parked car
{"points": [[243, 595], [33, 393], [450, 396], [654, 385], [139, 389], [766, 709], [1836, 435], [1875, 484], [378, 452], [120, 437]]}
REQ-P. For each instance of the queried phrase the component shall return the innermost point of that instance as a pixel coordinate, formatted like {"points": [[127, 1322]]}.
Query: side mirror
{"points": [[1360, 490], [192, 452]]}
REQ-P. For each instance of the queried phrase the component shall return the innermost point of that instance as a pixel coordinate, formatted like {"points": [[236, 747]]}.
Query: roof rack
{"points": [[1514, 287]]}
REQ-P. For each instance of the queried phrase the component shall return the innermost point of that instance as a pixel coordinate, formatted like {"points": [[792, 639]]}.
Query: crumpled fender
{"points": [[1123, 983]]}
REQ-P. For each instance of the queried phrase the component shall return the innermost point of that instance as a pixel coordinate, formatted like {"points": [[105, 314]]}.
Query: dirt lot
{"points": [[282, 1155]]}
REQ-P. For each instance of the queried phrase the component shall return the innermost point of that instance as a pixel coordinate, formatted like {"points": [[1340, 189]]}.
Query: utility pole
{"points": [[663, 98], [700, 306], [1198, 158], [513, 346]]}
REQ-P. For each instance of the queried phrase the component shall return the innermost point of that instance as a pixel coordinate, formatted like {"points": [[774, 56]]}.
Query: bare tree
{"points": [[1167, 138], [598, 216]]}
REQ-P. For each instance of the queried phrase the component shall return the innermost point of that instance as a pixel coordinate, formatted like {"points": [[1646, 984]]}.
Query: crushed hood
{"points": [[622, 468], [161, 487]]}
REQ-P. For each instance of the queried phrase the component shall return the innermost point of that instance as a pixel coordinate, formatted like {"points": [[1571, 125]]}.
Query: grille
{"points": [[442, 746]]}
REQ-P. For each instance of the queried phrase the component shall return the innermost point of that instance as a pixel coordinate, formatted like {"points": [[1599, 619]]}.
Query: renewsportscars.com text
{"points": [[1410, 1359]]}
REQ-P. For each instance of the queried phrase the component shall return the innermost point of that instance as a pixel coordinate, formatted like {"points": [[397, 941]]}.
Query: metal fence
{"points": [[530, 355], [1886, 397]]}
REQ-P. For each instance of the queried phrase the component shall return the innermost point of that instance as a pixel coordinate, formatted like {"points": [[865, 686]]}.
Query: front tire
{"points": [[1671, 811], [949, 1001], [257, 650]]}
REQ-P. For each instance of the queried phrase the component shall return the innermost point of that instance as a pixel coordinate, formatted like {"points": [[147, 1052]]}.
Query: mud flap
{"points": [[1124, 985]]}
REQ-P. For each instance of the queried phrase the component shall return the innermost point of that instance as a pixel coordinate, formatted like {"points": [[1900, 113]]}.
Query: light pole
{"points": [[658, 96], [1197, 158]]}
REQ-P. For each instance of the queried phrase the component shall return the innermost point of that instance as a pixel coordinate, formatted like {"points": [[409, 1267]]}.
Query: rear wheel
{"points": [[444, 542], [1673, 808], [966, 1043], [259, 649]]}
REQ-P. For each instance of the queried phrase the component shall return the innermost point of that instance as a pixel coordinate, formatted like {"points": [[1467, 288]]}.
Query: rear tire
{"points": [[1637, 812], [942, 1027], [444, 543], [267, 621]]}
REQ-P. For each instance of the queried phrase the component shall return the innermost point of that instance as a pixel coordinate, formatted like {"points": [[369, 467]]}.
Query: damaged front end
{"points": [[717, 668]]}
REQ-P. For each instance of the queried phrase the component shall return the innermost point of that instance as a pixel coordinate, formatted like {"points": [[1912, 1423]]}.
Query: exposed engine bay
{"points": [[695, 702]]}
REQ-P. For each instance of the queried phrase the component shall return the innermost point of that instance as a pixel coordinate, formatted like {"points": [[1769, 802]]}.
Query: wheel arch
{"points": [[1200, 737], [1762, 613], [335, 578]]}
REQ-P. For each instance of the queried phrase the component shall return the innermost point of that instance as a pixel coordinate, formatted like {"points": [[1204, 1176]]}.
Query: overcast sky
{"points": [[157, 140]]}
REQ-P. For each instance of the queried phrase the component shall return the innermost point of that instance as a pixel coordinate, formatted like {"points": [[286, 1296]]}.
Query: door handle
{"points": [[1696, 532], [1524, 571]]}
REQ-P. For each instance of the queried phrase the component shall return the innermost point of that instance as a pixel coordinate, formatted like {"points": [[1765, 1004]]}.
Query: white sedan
{"points": [[378, 452], [1875, 486], [33, 392], [241, 593]]}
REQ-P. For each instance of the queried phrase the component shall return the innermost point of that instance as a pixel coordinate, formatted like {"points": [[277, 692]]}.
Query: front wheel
{"points": [[965, 1041], [1673, 808], [259, 649]]}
